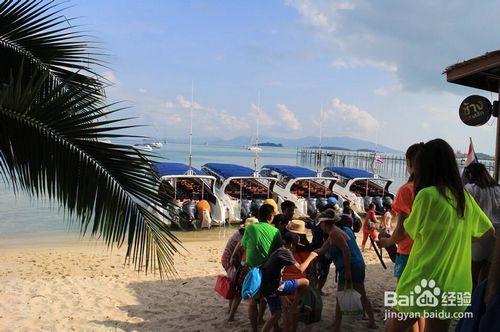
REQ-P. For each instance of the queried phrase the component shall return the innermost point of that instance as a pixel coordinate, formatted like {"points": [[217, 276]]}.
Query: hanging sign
{"points": [[475, 110]]}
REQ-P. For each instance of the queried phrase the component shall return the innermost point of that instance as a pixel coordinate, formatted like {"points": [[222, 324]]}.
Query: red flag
{"points": [[471, 155]]}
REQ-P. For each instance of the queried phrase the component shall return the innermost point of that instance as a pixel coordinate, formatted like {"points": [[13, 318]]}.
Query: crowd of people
{"points": [[444, 236]]}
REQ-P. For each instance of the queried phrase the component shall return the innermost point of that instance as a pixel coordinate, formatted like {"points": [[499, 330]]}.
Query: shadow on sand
{"points": [[193, 305]]}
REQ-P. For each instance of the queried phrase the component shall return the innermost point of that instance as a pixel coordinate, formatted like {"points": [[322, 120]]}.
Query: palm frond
{"points": [[49, 146], [38, 37]]}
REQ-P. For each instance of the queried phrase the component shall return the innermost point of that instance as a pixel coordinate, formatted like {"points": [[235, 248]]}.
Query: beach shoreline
{"points": [[71, 284]]}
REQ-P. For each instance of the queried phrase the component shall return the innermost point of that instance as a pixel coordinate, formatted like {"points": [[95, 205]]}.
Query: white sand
{"points": [[63, 284]]}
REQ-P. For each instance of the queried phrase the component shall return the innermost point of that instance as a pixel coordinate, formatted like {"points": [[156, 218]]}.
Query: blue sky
{"points": [[374, 67]]}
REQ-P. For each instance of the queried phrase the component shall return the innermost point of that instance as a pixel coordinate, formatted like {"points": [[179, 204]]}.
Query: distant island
{"points": [[275, 145]]}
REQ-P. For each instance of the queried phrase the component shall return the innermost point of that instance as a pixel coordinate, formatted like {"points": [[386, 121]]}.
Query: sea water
{"points": [[22, 215]]}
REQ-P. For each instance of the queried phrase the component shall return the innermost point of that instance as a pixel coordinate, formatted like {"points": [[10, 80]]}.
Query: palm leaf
{"points": [[49, 146], [37, 37]]}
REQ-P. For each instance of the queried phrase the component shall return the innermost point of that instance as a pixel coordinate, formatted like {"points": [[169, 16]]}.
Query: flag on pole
{"points": [[471, 155], [471, 158]]}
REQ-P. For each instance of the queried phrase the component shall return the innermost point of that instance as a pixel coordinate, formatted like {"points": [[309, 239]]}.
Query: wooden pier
{"points": [[394, 165]]}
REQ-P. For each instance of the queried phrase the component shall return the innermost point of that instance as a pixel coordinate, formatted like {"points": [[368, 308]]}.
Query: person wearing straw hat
{"points": [[273, 203], [298, 227], [350, 266]]}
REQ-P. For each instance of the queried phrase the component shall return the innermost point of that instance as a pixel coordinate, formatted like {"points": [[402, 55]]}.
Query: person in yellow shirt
{"points": [[437, 282]]}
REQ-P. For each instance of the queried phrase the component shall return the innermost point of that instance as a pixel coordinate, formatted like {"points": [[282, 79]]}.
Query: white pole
{"points": [[256, 159], [191, 128]]}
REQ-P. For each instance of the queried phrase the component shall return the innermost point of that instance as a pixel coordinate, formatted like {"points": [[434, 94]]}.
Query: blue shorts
{"points": [[357, 273], [287, 287], [400, 264]]}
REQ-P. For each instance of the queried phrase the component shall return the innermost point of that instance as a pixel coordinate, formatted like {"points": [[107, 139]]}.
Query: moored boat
{"points": [[143, 147], [361, 187], [241, 189], [307, 189], [184, 187]]}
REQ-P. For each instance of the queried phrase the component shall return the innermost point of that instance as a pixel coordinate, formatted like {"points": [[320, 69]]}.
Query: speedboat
{"points": [[156, 145], [254, 148], [241, 189], [307, 189], [143, 147], [183, 187], [361, 187]]}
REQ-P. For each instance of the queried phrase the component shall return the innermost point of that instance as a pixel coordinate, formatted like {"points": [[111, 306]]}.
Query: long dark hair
{"points": [[436, 166], [479, 175], [411, 155]]}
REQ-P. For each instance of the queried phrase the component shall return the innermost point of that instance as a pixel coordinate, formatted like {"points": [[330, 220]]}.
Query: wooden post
{"points": [[497, 148]]}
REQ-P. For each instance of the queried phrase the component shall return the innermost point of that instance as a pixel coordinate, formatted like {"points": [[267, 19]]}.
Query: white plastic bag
{"points": [[350, 302]]}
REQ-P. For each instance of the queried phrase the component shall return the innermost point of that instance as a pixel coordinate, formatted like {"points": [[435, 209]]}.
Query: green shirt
{"points": [[441, 252], [260, 241]]}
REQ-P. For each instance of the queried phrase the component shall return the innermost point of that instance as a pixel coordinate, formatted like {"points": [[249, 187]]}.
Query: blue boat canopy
{"points": [[350, 173], [292, 171], [229, 170], [166, 169]]}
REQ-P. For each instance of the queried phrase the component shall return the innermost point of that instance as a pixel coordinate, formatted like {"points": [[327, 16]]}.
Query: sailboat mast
{"points": [[256, 146], [258, 120], [191, 128]]}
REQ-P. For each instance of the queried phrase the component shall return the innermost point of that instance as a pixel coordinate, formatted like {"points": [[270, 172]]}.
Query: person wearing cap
{"points": [[273, 287], [298, 227], [287, 211], [350, 266], [232, 259], [319, 238]]}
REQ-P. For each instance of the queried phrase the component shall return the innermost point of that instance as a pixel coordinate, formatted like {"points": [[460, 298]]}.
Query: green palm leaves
{"points": [[52, 115]]}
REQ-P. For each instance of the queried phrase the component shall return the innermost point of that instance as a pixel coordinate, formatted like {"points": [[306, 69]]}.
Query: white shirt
{"points": [[488, 199]]}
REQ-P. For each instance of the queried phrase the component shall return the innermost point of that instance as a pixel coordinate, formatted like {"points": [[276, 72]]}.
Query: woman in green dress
{"points": [[436, 283]]}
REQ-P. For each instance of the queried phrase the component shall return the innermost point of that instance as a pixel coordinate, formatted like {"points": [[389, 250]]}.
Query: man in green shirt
{"points": [[260, 241]]}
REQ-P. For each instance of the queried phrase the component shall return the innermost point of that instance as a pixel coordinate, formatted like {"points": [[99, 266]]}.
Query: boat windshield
{"points": [[370, 187], [311, 188], [186, 189], [247, 188]]}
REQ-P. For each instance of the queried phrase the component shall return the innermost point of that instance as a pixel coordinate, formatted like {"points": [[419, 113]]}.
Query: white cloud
{"points": [[167, 104], [349, 119], [265, 119], [418, 38], [110, 77], [142, 90], [388, 90], [319, 14], [287, 117], [425, 125], [185, 103], [361, 63]]}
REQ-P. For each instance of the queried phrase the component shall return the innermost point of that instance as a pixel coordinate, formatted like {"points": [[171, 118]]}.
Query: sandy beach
{"points": [[66, 284]]}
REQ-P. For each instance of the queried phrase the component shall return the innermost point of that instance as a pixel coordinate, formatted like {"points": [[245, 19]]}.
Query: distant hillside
{"points": [[480, 155]]}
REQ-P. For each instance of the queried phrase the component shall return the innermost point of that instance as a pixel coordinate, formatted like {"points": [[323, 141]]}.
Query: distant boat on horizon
{"points": [[156, 145], [143, 147]]}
